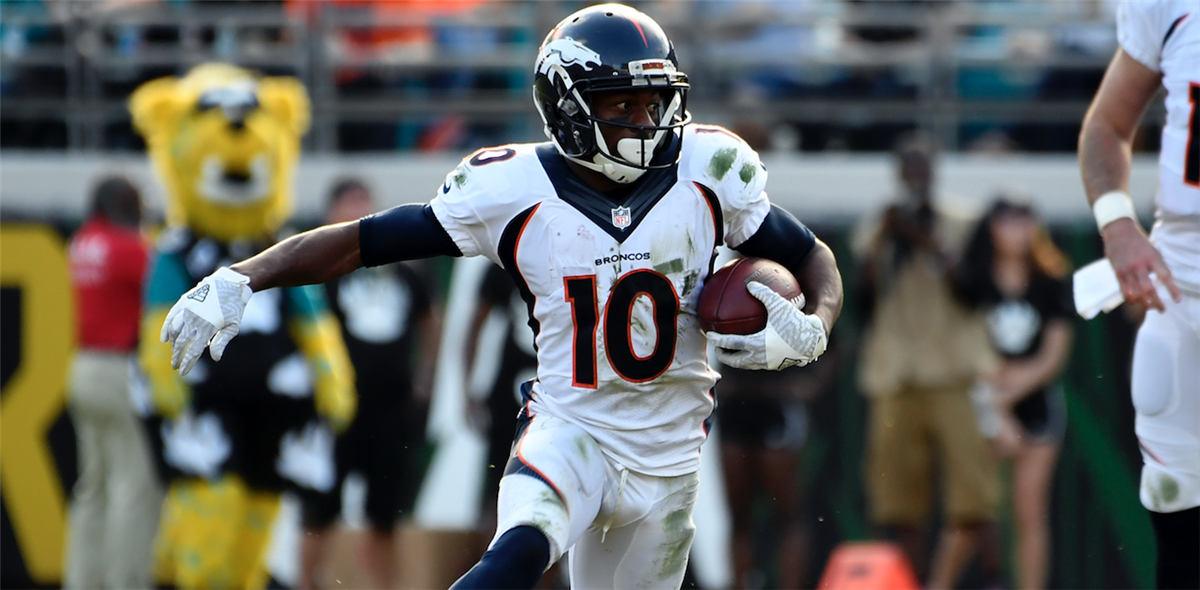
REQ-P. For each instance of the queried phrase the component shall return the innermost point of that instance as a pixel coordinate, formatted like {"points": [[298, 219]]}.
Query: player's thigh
{"points": [[972, 485], [651, 552], [1156, 364], [898, 464], [554, 481], [1167, 401]]}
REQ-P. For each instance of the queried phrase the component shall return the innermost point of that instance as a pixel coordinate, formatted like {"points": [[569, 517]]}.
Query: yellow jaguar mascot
{"points": [[233, 435]]}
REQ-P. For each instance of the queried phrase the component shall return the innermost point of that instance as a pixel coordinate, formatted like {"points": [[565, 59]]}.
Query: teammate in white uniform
{"points": [[609, 231], [1160, 43]]}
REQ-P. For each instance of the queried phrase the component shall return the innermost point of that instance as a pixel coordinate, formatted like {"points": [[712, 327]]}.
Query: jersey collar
{"points": [[617, 218]]}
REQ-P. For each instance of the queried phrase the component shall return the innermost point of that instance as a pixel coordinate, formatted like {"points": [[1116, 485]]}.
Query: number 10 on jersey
{"points": [[619, 322]]}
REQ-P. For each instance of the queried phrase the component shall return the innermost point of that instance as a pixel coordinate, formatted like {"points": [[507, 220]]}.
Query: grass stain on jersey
{"points": [[722, 162], [670, 266], [460, 177], [747, 172], [689, 283]]}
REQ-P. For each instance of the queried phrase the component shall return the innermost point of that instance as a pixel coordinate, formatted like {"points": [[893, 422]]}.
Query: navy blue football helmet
{"points": [[608, 47]]}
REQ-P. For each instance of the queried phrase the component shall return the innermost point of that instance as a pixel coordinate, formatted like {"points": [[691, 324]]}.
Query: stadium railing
{"points": [[960, 69]]}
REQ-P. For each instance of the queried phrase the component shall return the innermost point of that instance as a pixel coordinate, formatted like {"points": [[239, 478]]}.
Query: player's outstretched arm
{"points": [[309, 258], [210, 314], [1105, 151]]}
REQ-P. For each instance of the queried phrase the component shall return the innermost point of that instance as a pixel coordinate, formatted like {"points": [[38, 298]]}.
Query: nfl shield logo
{"points": [[621, 217]]}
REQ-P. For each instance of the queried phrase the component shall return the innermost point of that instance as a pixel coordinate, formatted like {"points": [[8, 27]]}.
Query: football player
{"points": [[1159, 45], [609, 231]]}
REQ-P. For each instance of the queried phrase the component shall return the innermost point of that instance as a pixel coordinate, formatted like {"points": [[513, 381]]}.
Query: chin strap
{"points": [[614, 171]]}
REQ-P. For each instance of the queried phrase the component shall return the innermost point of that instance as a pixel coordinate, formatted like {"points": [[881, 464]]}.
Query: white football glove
{"points": [[208, 315], [791, 338]]}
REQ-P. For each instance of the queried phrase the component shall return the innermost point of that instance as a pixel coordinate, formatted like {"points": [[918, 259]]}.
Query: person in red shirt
{"points": [[117, 498]]}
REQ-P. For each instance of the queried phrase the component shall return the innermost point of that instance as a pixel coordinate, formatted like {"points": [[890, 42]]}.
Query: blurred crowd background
{"points": [[834, 93], [819, 75]]}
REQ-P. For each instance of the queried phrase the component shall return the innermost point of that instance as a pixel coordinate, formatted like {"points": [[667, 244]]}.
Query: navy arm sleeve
{"points": [[405, 232], [781, 238]]}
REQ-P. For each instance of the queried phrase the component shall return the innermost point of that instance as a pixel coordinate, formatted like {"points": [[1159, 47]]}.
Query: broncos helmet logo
{"points": [[563, 52]]}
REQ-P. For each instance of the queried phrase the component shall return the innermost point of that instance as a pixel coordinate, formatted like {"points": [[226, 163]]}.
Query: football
{"points": [[726, 307]]}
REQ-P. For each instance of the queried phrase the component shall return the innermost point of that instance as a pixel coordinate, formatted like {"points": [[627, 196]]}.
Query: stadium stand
{"points": [[429, 75]]}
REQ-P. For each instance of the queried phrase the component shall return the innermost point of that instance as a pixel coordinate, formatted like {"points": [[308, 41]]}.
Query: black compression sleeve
{"points": [[781, 238], [406, 232]]}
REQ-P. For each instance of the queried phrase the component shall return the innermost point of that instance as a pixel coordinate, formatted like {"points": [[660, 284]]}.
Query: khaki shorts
{"points": [[909, 434]]}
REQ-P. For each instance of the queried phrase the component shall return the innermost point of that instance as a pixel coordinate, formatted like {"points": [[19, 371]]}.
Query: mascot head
{"points": [[225, 142]]}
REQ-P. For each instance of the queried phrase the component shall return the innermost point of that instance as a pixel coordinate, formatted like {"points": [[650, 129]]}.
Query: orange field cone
{"points": [[868, 566]]}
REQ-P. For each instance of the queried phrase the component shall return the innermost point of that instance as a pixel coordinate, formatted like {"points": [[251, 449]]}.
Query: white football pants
{"points": [[623, 529], [1166, 395]]}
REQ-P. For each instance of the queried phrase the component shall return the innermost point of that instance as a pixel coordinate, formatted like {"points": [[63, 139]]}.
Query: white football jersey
{"points": [[1164, 35], [612, 287]]}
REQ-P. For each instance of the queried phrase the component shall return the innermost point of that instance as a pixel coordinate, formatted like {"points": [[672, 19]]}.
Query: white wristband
{"points": [[1112, 206]]}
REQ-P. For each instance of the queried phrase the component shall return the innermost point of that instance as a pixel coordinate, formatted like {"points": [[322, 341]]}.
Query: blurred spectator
{"points": [[116, 500], [500, 357], [922, 353], [1014, 273], [763, 419], [389, 327]]}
